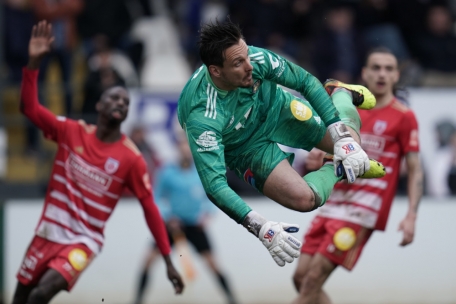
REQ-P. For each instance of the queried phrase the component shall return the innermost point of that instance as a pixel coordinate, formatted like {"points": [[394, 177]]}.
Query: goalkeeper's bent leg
{"points": [[342, 100], [322, 182]]}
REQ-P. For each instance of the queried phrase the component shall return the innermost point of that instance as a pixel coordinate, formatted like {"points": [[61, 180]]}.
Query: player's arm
{"points": [[207, 148], [139, 183], [39, 45], [408, 138]]}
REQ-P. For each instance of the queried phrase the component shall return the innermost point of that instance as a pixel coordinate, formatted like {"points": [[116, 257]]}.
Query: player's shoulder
{"points": [[81, 124], [129, 148], [400, 107]]}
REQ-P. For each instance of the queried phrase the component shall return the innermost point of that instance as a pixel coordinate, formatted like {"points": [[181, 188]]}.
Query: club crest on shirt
{"points": [[255, 86], [111, 165], [380, 127]]}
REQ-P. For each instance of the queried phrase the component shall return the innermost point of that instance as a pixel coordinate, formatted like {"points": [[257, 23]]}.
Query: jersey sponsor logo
{"points": [[380, 127], [300, 111], [248, 178], [256, 86], [373, 143], [211, 106], [78, 259], [257, 57], [344, 239], [87, 174], [111, 165], [269, 235], [207, 141]]}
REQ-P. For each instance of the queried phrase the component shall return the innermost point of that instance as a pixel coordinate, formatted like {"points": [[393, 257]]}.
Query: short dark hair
{"points": [[378, 49], [215, 38]]}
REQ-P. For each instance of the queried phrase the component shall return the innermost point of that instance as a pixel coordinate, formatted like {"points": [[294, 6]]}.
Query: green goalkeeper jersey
{"points": [[220, 124]]}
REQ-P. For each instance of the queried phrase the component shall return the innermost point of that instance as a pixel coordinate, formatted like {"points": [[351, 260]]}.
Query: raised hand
{"points": [[40, 43]]}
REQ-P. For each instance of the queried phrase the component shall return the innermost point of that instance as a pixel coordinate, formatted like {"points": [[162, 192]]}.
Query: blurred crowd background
{"points": [[150, 45]]}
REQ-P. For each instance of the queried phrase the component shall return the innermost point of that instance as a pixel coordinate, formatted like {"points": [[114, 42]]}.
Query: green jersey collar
{"points": [[220, 92]]}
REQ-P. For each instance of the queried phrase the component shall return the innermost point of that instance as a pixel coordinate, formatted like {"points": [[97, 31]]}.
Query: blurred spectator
{"points": [[339, 50], [452, 171], [104, 56], [62, 15], [16, 23], [114, 19], [443, 169], [376, 20], [436, 48], [137, 135]]}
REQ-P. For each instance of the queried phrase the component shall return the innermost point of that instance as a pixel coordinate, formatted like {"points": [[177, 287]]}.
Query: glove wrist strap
{"points": [[253, 222], [338, 130]]}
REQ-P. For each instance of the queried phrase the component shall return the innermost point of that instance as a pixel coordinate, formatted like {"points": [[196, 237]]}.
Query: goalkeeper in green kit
{"points": [[235, 114]]}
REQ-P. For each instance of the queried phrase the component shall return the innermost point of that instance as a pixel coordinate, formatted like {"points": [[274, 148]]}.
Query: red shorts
{"points": [[339, 241], [68, 259]]}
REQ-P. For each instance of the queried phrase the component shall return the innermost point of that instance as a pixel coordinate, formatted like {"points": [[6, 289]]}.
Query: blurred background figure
{"points": [[442, 174], [339, 48], [186, 211], [436, 48]]}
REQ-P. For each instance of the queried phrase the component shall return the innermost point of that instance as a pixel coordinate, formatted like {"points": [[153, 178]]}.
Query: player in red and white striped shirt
{"points": [[93, 165], [342, 227]]}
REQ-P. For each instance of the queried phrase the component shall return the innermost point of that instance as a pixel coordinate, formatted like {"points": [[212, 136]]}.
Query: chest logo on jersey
{"points": [[256, 86], [111, 165], [300, 111], [380, 127]]}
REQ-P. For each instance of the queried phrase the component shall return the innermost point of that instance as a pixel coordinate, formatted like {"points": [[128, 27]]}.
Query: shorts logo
{"points": [[269, 235], [248, 178], [111, 165], [78, 259], [344, 239], [348, 148], [300, 111]]}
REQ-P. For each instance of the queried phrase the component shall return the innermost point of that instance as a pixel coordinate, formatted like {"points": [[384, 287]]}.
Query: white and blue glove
{"points": [[348, 153], [282, 246]]}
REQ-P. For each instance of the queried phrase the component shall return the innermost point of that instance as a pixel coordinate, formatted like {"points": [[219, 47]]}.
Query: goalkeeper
{"points": [[235, 114]]}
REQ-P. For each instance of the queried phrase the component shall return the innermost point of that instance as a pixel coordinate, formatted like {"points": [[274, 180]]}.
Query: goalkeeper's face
{"points": [[237, 70], [381, 73]]}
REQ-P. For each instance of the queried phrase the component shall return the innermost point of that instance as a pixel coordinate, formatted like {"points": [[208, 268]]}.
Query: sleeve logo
{"points": [[207, 141], [300, 111]]}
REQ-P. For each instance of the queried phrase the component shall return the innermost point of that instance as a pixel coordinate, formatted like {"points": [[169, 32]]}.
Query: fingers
{"points": [[350, 172], [291, 250], [178, 285]]}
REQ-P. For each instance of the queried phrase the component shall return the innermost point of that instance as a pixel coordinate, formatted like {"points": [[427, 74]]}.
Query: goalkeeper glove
{"points": [[275, 236], [348, 152]]}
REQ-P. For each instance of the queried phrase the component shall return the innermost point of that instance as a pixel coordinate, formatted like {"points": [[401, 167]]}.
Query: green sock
{"points": [[322, 182], [343, 102]]}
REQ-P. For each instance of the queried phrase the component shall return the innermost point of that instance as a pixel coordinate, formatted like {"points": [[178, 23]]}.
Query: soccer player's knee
{"points": [[38, 295], [305, 201], [297, 280], [311, 281]]}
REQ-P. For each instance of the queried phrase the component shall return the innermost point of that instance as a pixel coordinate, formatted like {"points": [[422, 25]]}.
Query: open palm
{"points": [[41, 39]]}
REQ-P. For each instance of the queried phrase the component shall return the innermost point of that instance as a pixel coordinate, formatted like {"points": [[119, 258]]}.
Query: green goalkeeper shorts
{"points": [[296, 125]]}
